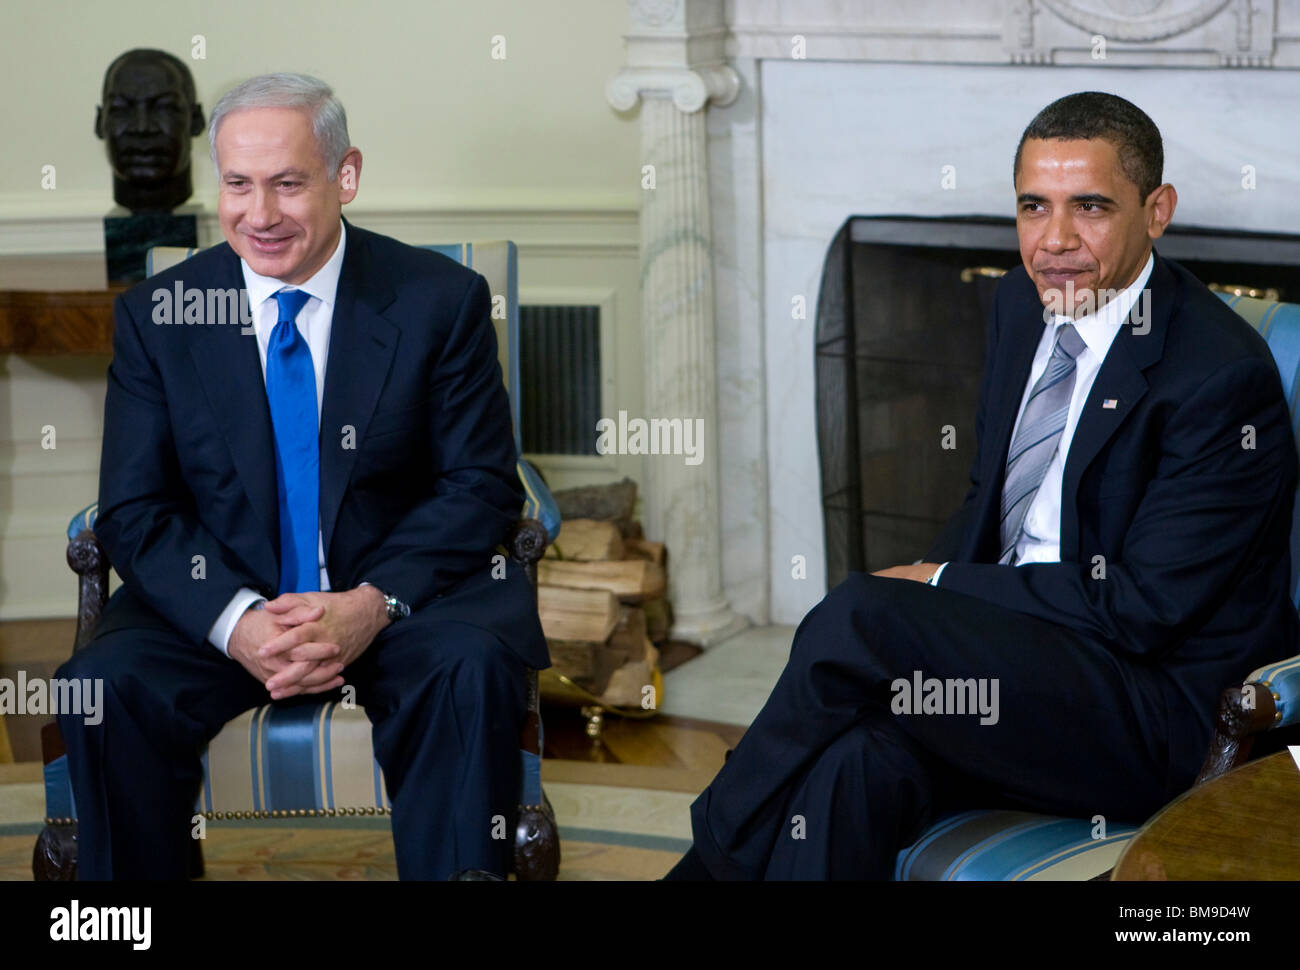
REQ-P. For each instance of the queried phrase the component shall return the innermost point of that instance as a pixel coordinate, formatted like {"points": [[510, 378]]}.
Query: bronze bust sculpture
{"points": [[148, 116]]}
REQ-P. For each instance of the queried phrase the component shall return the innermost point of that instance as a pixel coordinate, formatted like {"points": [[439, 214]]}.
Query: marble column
{"points": [[681, 499]]}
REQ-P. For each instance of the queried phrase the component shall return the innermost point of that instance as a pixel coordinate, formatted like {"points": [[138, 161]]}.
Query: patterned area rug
{"points": [[607, 832]]}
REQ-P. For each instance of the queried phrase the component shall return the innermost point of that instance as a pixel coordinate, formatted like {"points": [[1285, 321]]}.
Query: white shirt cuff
{"points": [[934, 580], [219, 635]]}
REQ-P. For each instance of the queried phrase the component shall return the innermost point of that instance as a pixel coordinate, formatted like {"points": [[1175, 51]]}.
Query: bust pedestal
{"points": [[128, 236]]}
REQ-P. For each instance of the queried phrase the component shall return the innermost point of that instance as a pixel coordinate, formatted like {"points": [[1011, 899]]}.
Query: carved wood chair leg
{"points": [[537, 843], [55, 857]]}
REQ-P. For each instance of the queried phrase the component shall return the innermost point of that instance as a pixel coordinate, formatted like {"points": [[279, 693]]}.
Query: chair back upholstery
{"points": [[497, 262], [1279, 325], [160, 258]]}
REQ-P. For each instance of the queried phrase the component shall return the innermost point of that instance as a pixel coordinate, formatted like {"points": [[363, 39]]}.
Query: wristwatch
{"points": [[396, 608]]}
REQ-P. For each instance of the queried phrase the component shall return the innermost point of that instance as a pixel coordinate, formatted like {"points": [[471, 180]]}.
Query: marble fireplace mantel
{"points": [[1147, 33], [873, 107]]}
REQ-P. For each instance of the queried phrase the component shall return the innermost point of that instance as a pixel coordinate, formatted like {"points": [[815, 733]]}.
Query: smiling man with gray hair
{"points": [[345, 473]]}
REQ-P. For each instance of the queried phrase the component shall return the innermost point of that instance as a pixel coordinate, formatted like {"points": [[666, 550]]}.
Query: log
{"points": [[629, 636], [607, 665], [631, 580], [587, 540], [574, 658], [627, 685], [658, 619], [644, 549], [577, 614], [610, 503]]}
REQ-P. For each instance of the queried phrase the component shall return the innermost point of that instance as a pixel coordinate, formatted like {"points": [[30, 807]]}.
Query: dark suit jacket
{"points": [[415, 500], [1194, 528]]}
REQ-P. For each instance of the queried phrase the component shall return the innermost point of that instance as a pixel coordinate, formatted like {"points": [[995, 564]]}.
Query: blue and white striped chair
{"points": [[1010, 845], [276, 761]]}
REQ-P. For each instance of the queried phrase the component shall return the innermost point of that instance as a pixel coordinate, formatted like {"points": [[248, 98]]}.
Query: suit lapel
{"points": [[1025, 320], [1026, 334], [230, 371], [361, 351]]}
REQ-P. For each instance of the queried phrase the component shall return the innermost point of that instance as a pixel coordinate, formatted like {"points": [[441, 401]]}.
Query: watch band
{"points": [[396, 608]]}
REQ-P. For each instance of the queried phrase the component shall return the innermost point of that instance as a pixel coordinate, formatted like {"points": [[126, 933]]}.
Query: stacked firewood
{"points": [[601, 596]]}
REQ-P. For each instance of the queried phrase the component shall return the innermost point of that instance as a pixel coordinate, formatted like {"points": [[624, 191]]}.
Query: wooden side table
{"points": [[1242, 825]]}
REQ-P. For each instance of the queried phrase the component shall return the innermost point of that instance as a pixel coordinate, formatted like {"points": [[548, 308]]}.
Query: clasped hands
{"points": [[300, 643]]}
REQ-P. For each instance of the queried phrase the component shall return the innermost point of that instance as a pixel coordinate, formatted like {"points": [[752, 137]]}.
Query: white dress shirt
{"points": [[314, 323], [1040, 539]]}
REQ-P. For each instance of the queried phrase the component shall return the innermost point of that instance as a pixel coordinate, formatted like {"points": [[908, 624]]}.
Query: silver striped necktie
{"points": [[1037, 437]]}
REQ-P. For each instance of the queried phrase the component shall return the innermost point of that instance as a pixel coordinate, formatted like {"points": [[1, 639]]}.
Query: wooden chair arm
{"points": [[89, 561], [527, 543], [1244, 712]]}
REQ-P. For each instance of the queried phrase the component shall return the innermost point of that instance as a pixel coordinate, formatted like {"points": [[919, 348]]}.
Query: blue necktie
{"points": [[291, 391]]}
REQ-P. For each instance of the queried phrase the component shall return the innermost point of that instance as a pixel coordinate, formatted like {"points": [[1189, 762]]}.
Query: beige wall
{"points": [[456, 146], [438, 119]]}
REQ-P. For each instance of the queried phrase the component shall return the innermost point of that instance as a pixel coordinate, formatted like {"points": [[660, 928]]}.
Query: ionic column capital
{"points": [[677, 49], [690, 89]]}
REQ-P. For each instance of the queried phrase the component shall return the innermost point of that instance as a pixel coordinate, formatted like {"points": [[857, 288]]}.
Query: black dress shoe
{"points": [[475, 875]]}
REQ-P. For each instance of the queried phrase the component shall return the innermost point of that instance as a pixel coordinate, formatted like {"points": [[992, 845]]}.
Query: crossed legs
{"points": [[829, 782]]}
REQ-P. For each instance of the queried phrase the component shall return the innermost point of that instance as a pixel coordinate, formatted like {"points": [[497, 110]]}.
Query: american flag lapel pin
{"points": [[1110, 403]]}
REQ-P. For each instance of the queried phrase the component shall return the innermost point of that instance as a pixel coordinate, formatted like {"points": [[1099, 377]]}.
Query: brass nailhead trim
{"points": [[281, 813]]}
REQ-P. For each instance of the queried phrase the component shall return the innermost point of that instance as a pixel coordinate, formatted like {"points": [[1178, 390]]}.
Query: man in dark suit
{"points": [[1121, 556], [313, 498]]}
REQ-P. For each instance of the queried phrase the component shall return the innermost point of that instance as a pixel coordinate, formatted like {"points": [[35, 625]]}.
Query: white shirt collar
{"points": [[1099, 329], [323, 285]]}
